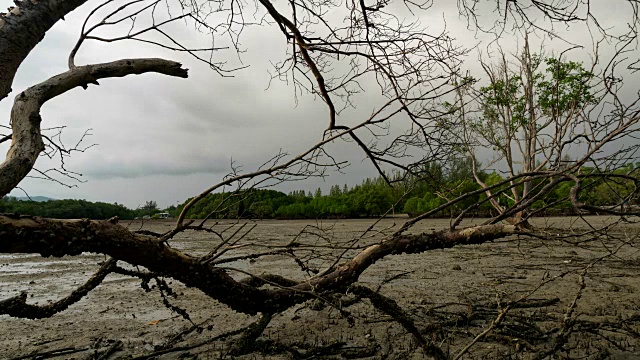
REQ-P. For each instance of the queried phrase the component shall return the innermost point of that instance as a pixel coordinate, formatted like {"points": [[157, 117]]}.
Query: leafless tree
{"points": [[336, 51]]}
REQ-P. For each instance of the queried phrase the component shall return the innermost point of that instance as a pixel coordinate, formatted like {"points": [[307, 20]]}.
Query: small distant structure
{"points": [[163, 215]]}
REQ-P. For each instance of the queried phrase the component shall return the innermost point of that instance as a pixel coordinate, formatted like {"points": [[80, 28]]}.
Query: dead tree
{"points": [[329, 57]]}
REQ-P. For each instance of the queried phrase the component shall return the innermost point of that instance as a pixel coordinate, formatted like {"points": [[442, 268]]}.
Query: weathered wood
{"points": [[22, 29], [48, 237], [27, 140]]}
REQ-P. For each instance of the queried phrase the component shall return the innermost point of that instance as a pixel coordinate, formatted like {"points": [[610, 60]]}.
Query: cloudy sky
{"points": [[165, 139]]}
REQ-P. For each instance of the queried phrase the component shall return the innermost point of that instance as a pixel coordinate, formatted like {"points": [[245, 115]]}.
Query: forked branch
{"points": [[27, 142]]}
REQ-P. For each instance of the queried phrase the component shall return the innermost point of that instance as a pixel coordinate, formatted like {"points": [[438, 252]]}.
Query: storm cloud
{"points": [[165, 139]]}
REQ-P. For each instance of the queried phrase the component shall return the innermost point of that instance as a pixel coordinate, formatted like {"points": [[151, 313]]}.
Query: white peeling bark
{"points": [[25, 115], [22, 28]]}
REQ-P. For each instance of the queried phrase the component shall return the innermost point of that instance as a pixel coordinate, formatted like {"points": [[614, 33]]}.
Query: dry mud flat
{"points": [[452, 295]]}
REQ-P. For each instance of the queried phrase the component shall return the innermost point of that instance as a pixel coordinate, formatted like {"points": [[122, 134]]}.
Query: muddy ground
{"points": [[452, 295]]}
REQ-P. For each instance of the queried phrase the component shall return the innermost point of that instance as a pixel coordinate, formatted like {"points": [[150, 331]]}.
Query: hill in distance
{"points": [[34, 198]]}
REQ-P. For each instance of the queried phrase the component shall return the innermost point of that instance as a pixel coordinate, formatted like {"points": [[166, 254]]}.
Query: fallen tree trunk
{"points": [[48, 237]]}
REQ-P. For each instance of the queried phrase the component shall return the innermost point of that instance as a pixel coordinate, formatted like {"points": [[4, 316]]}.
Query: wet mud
{"points": [[119, 319]]}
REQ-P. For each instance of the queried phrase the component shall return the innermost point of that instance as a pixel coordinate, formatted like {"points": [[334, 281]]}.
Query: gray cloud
{"points": [[150, 164], [167, 139]]}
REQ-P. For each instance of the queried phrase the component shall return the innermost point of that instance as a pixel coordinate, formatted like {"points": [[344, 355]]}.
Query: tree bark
{"points": [[25, 115], [22, 29], [18, 307], [48, 237]]}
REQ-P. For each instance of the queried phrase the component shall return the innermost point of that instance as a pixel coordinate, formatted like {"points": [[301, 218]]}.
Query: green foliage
{"points": [[561, 88], [149, 207], [566, 89], [66, 209], [434, 186], [504, 93], [419, 205]]}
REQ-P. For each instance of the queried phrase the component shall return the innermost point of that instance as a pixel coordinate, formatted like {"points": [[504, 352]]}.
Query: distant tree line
{"points": [[413, 195], [373, 197], [74, 209]]}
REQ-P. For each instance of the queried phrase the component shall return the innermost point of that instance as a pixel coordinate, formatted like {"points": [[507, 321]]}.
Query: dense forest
{"points": [[71, 209], [412, 195]]}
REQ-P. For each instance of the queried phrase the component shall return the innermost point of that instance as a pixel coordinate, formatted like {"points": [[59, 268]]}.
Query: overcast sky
{"points": [[166, 139]]}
